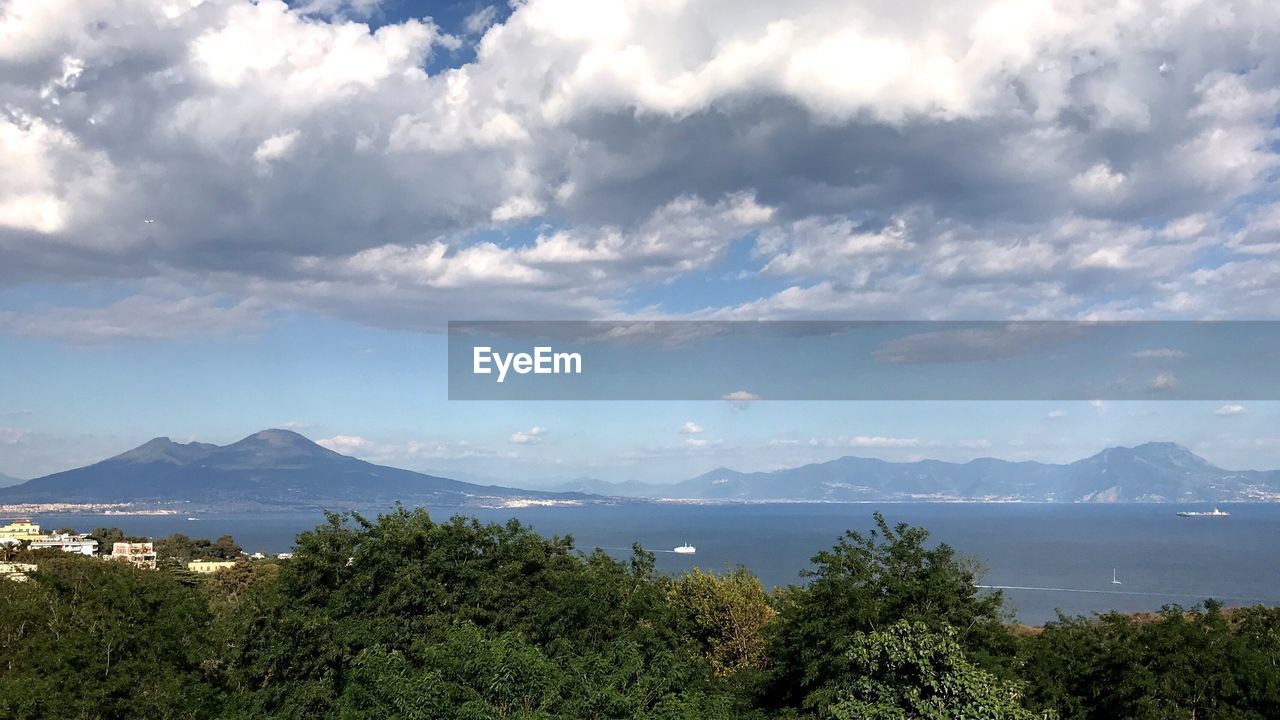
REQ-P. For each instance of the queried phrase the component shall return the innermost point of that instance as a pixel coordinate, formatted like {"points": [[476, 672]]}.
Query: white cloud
{"points": [[1099, 183], [691, 428], [480, 20], [998, 160], [1056, 414], [354, 8], [274, 148], [740, 396], [517, 208], [1231, 409], [880, 441], [529, 437], [409, 452], [1164, 381], [13, 436], [1159, 354], [346, 444], [874, 442], [139, 317]]}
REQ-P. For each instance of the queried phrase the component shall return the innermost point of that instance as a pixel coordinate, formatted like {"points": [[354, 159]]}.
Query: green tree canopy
{"points": [[868, 582], [909, 671]]}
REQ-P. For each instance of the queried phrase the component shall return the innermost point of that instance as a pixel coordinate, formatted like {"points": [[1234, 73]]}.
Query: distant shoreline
{"points": [[167, 509]]}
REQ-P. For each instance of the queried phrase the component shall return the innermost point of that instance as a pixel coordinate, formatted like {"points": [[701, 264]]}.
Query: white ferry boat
{"points": [[685, 549]]}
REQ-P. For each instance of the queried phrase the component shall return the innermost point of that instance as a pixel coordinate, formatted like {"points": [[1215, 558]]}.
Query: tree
{"points": [[106, 538], [909, 671], [474, 620], [181, 549], [729, 613], [1180, 664], [88, 639], [868, 582]]}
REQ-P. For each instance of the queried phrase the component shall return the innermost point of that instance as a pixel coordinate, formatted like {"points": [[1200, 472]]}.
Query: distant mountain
{"points": [[1154, 472], [282, 469], [6, 480], [593, 486], [272, 468]]}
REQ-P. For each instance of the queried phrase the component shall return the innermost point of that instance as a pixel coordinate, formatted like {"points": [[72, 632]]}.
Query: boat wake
{"points": [[1194, 596]]}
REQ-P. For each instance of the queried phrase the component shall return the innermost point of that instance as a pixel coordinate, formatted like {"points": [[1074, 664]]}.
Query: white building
{"points": [[66, 542]]}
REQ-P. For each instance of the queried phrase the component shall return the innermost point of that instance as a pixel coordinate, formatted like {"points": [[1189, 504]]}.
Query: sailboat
{"points": [[1114, 581]]}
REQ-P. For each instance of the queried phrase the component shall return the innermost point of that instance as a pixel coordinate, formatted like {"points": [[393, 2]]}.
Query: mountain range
{"points": [[1153, 472], [6, 480], [269, 469], [282, 469]]}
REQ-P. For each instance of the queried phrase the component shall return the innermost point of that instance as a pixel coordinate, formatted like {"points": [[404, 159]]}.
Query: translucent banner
{"points": [[879, 360]]}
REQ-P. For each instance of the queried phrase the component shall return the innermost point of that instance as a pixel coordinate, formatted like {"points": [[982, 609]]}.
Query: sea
{"points": [[1048, 558]]}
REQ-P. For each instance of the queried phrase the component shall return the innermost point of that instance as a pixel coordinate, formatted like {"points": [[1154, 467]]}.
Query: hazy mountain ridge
{"points": [[281, 469], [271, 468], [1153, 472], [7, 480]]}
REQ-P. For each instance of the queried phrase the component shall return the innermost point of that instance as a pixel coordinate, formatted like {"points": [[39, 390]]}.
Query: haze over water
{"points": [[1158, 557]]}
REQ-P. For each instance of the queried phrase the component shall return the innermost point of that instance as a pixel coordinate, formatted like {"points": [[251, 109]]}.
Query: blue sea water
{"points": [[1063, 554]]}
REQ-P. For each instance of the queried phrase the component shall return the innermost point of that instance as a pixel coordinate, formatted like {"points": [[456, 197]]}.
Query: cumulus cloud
{"points": [[408, 452], [1164, 381], [998, 160], [531, 436], [346, 444], [691, 428], [1231, 409]]}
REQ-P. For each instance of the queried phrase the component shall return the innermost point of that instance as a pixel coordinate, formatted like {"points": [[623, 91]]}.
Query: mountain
{"points": [[1154, 472], [272, 468], [6, 480], [594, 486], [282, 469]]}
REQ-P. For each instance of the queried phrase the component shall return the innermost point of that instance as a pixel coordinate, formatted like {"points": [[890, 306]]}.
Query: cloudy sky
{"points": [[217, 216]]}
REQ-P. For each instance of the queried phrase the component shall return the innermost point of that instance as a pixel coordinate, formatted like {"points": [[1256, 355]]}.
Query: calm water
{"points": [[1159, 558]]}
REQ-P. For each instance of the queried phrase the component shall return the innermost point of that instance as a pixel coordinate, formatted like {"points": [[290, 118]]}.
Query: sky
{"points": [[221, 216]]}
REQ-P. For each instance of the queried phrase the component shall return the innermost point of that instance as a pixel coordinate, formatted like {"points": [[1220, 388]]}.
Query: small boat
{"points": [[1114, 581], [1216, 513], [685, 549]]}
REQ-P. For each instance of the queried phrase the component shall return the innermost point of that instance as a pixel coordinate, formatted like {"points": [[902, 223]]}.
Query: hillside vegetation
{"points": [[405, 617]]}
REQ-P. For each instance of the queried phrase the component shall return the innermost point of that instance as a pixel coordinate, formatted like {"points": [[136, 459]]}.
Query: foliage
{"points": [[1198, 663], [181, 549], [729, 613], [910, 671], [405, 617], [90, 639], [472, 620], [872, 581]]}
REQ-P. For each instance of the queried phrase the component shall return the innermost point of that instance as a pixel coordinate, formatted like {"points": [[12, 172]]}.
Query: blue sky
{"points": [[237, 215]]}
